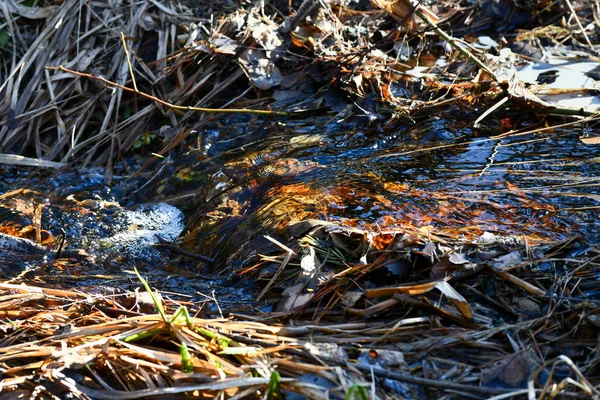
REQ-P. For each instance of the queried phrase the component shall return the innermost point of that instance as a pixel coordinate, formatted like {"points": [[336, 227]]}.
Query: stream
{"points": [[248, 178]]}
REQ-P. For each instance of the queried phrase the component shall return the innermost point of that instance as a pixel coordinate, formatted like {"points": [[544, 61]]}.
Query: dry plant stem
{"points": [[173, 106], [455, 44], [288, 257], [574, 14], [438, 384], [445, 385], [213, 386], [553, 110], [12, 159], [526, 286], [128, 58]]}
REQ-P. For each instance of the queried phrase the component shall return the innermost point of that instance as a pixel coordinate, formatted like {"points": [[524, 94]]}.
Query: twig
{"points": [[167, 104], [179, 250], [464, 51], [440, 385], [128, 61], [288, 257], [587, 39], [526, 286]]}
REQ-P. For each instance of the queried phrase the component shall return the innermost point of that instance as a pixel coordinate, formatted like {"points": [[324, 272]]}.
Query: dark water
{"points": [[438, 173], [456, 180]]}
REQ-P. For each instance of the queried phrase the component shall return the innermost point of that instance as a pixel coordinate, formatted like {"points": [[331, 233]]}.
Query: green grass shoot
{"points": [[274, 389]]}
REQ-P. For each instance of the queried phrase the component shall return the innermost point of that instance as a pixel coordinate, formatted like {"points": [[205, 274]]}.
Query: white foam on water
{"points": [[146, 224]]}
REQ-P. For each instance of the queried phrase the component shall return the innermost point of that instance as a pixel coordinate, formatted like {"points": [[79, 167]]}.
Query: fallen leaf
{"points": [[512, 371], [455, 298], [292, 298], [224, 45], [590, 140], [261, 70], [351, 297]]}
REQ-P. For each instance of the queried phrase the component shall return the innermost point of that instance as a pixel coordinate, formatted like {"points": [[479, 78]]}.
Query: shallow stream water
{"points": [[438, 173], [245, 178]]}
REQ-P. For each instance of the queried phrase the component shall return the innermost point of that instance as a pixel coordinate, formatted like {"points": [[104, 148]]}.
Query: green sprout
{"points": [[186, 359], [357, 391], [274, 389]]}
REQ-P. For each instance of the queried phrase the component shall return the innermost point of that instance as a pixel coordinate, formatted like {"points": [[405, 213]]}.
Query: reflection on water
{"points": [[543, 185], [439, 174], [256, 181]]}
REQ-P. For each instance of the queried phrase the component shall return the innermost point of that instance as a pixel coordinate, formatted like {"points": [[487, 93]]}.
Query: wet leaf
{"points": [[512, 371], [396, 187], [513, 188]]}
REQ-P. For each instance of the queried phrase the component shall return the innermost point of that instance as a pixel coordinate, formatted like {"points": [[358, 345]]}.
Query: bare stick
{"points": [[128, 61]]}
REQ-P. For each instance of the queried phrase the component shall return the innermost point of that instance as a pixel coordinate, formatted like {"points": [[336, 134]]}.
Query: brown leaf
{"points": [[404, 11], [412, 289], [520, 94], [456, 299]]}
